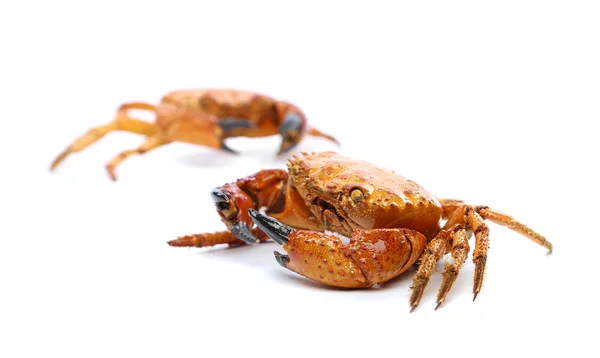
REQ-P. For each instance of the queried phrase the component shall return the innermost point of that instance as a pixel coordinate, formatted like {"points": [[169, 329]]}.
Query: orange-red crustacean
{"points": [[392, 223], [203, 117]]}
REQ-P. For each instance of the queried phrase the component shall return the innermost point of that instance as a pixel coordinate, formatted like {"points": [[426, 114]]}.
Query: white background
{"points": [[494, 104]]}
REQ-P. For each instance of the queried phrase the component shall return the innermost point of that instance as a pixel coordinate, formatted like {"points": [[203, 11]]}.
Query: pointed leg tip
{"points": [[475, 295], [181, 242], [59, 159], [438, 305], [172, 243], [111, 174], [413, 307]]}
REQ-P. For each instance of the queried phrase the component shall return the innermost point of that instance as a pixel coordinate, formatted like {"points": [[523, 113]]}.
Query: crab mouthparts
{"points": [[277, 231]]}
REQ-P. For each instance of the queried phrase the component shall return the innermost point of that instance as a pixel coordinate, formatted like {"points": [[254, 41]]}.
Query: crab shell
{"points": [[347, 194]]}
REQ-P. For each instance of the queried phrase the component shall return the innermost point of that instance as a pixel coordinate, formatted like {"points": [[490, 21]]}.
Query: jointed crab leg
{"points": [[150, 143], [460, 250], [511, 223], [215, 238], [460, 216], [121, 122], [317, 133], [433, 253], [482, 243]]}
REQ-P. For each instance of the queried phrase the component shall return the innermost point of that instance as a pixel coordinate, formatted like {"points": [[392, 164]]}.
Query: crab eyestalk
{"points": [[232, 205]]}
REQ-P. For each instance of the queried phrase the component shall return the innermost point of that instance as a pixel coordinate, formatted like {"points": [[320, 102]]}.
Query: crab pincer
{"points": [[370, 257]]}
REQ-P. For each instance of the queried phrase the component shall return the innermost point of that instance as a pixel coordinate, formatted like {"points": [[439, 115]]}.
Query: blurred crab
{"points": [[203, 117], [390, 223]]}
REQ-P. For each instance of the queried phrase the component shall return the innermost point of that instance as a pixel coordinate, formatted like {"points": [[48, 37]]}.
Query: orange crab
{"points": [[391, 222], [203, 117]]}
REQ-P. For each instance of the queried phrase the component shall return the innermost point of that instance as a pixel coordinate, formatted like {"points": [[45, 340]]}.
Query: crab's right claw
{"points": [[232, 205]]}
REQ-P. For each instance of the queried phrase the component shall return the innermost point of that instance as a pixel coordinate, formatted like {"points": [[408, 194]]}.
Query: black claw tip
{"points": [[291, 132], [291, 123], [276, 230], [241, 231], [219, 196], [438, 305], [475, 295], [412, 308], [281, 259], [227, 149], [220, 199]]}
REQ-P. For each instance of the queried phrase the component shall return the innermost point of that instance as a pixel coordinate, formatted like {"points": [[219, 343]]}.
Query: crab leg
{"points": [[150, 143], [473, 218], [482, 243], [460, 250], [212, 239], [433, 253], [317, 133], [511, 223], [121, 122]]}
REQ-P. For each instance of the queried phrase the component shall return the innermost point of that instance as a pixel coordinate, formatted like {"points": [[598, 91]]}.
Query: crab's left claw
{"points": [[232, 205], [292, 129]]}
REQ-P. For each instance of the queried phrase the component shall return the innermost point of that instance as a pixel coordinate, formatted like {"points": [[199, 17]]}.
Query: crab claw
{"points": [[242, 232], [277, 231], [220, 199], [281, 259], [232, 205], [370, 257], [291, 130]]}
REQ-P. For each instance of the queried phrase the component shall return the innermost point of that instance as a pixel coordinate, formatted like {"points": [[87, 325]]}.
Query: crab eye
{"points": [[356, 195]]}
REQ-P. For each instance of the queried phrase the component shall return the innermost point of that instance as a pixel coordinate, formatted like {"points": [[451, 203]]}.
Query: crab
{"points": [[349, 223], [202, 117]]}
